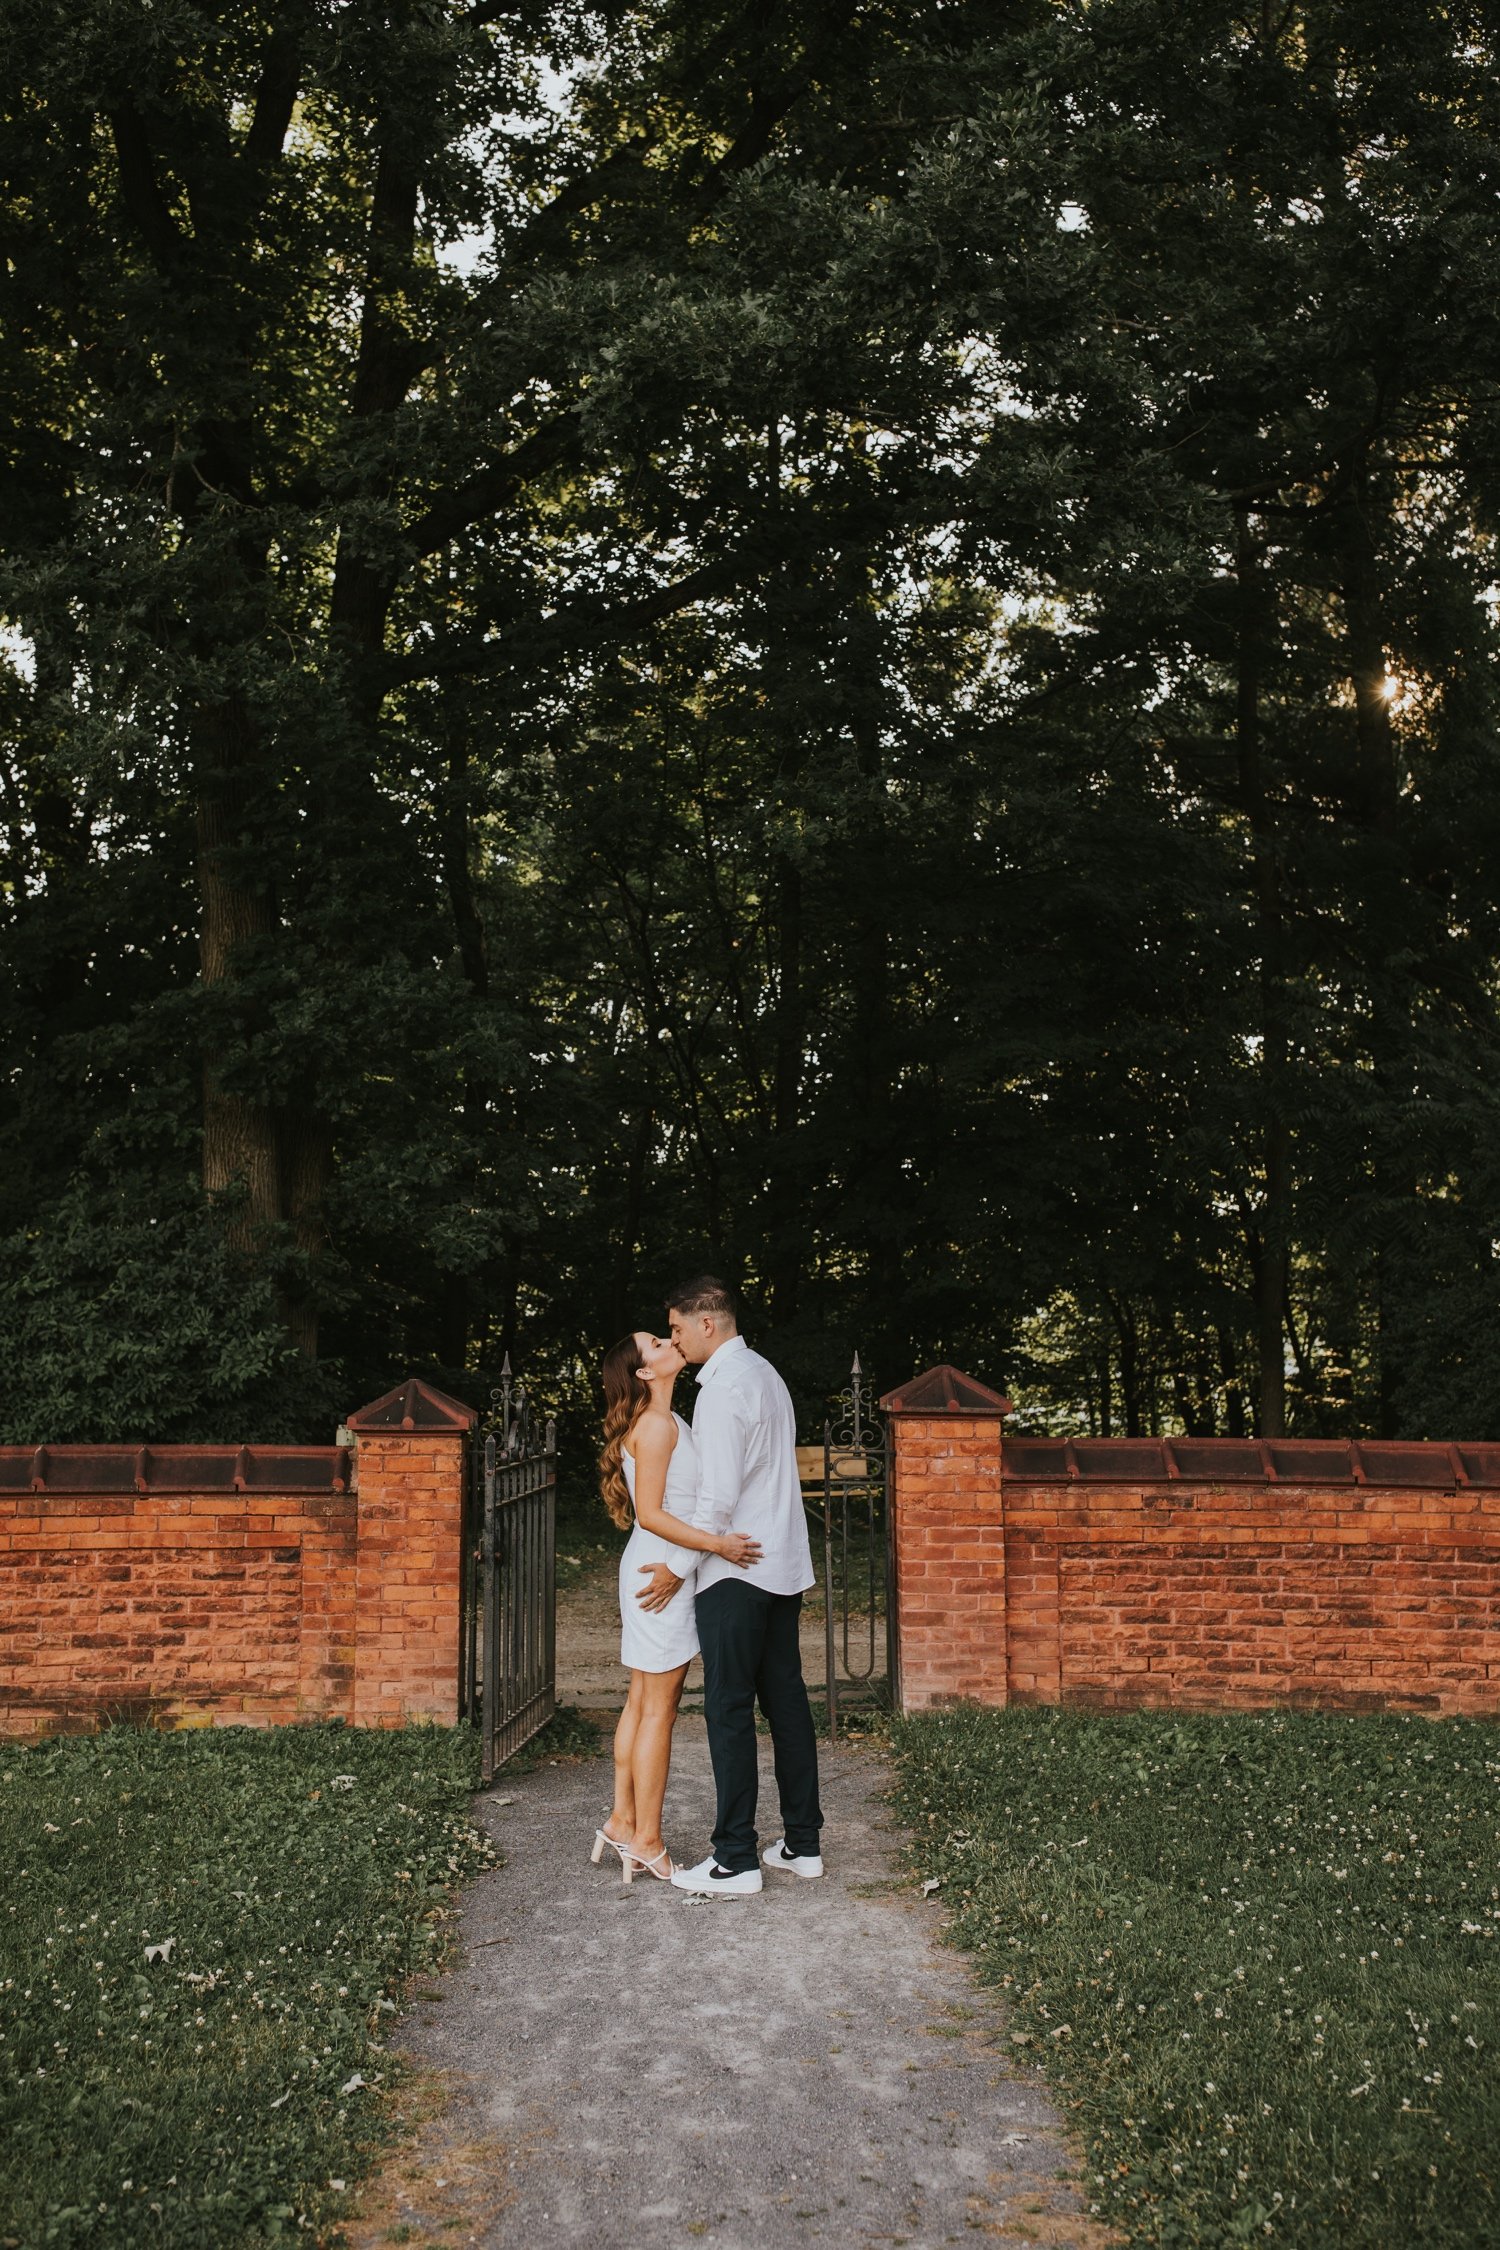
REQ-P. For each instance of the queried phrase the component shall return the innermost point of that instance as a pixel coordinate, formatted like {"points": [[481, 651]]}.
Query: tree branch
{"points": [[487, 491], [589, 622], [766, 112], [141, 192], [387, 352], [767, 109], [387, 359], [576, 195], [276, 94]]}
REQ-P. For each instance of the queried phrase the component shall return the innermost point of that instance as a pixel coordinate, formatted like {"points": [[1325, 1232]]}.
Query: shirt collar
{"points": [[710, 1367]]}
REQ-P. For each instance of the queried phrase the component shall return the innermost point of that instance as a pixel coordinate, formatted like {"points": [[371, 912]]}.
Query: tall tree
{"points": [[856, 641]]}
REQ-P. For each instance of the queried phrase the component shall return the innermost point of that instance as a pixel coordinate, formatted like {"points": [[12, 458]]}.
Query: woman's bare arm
{"points": [[655, 1440]]}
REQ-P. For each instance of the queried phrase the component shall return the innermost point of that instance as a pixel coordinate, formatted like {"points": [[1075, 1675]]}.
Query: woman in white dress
{"points": [[648, 1474]]}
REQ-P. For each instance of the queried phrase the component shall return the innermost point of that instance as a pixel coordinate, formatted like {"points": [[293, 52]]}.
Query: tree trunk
{"points": [[455, 1311], [59, 829], [624, 1293], [1130, 1376], [1234, 1392], [279, 1159], [1182, 1400], [306, 1149], [869, 874], [1271, 1268], [1307, 1376], [788, 1228], [240, 1141], [1378, 795]]}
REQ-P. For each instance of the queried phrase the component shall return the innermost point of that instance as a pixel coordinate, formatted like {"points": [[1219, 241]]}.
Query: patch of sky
{"points": [[18, 651], [463, 254]]}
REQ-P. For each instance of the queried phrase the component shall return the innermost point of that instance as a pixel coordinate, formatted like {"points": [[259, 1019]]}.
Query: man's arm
{"points": [[721, 1437]]}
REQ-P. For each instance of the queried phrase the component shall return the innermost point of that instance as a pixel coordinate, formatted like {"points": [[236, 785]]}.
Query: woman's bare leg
{"points": [[651, 1756], [621, 1822]]}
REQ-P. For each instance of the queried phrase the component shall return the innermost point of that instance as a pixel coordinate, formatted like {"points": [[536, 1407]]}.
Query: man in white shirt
{"points": [[746, 1438]]}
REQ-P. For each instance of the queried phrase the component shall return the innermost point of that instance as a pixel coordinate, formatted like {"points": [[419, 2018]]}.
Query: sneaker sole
{"points": [[692, 1891], [803, 1874]]}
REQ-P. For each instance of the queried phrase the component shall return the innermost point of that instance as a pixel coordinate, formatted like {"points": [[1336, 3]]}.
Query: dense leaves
{"points": [[854, 643]]}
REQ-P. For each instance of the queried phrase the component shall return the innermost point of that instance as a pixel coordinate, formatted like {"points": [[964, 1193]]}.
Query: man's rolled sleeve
{"points": [[720, 1440], [681, 1561]]}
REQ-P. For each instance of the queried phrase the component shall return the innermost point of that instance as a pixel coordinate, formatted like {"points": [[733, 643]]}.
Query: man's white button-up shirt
{"points": [[746, 1435]]}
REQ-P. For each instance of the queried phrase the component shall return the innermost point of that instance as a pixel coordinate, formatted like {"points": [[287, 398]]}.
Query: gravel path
{"points": [[628, 2067]]}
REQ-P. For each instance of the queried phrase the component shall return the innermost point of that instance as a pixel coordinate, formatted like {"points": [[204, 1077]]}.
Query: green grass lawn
{"points": [[1257, 1958], [200, 1936]]}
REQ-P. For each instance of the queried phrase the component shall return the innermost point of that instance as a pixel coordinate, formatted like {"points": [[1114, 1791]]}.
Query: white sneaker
{"points": [[709, 1880], [808, 1864]]}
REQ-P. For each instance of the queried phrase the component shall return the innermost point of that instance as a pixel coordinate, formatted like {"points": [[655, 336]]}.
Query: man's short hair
{"points": [[705, 1293]]}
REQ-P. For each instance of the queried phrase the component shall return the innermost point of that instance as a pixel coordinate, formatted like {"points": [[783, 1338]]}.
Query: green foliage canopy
{"points": [[854, 642]]}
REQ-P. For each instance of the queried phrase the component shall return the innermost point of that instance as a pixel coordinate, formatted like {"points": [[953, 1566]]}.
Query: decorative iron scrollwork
{"points": [[855, 1428], [854, 1536], [518, 1429]]}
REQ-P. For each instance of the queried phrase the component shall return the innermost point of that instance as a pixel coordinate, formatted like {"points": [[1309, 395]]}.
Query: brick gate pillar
{"points": [[409, 1466], [948, 1539]]}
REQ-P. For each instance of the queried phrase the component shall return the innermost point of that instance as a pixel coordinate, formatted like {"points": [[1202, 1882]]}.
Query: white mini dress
{"points": [[659, 1640]]}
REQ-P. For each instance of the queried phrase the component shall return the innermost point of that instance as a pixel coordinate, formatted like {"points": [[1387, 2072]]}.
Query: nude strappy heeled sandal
{"points": [[632, 1862], [601, 1838]]}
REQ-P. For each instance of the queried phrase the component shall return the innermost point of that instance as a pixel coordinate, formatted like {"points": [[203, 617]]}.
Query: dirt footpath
{"points": [[630, 2067]]}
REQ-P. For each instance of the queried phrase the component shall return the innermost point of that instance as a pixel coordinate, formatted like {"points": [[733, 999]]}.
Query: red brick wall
{"points": [[175, 1608], [1185, 1589], [181, 1587], [951, 1567], [407, 1579]]}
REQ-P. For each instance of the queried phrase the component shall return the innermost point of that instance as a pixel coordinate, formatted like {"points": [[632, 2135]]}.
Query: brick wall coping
{"points": [[1364, 1461], [173, 1468], [122, 1469], [945, 1390], [414, 1406]]}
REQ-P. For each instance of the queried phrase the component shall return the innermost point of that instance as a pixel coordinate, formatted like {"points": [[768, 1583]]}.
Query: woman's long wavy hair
{"points": [[626, 1398]]}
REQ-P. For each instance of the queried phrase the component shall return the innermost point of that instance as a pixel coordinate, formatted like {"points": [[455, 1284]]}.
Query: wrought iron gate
{"points": [[508, 1654], [851, 1517]]}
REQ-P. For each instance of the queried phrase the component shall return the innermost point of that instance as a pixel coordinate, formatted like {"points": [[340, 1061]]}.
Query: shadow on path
{"points": [[629, 2066]]}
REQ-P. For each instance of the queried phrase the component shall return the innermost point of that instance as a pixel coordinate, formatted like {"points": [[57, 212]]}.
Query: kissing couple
{"points": [[719, 1535]]}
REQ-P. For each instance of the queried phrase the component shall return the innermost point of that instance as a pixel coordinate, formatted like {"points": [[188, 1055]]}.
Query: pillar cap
{"points": [[945, 1390], [414, 1406]]}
